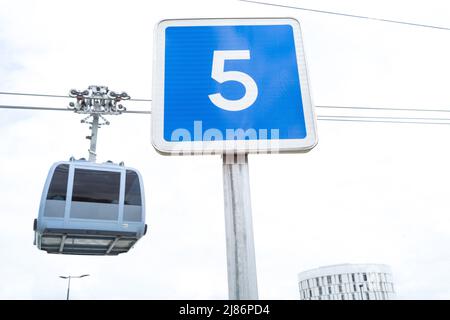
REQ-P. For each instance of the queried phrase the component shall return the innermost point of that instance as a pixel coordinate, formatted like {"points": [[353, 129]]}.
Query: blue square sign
{"points": [[231, 85]]}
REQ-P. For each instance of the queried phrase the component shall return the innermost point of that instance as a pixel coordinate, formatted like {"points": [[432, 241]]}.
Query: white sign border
{"points": [[229, 146]]}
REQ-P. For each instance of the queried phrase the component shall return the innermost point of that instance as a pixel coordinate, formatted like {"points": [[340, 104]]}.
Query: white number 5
{"points": [[221, 76]]}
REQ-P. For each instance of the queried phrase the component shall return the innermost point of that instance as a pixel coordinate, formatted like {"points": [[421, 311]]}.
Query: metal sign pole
{"points": [[241, 263]]}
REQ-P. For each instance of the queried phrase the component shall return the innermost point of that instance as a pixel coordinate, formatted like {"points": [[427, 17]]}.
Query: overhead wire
{"points": [[33, 108], [55, 95], [385, 118], [380, 121], [346, 118], [318, 106], [348, 15], [61, 109], [384, 108]]}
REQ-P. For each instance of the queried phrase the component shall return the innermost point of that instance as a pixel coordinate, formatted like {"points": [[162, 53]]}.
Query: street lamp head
{"points": [[71, 277], [67, 277]]}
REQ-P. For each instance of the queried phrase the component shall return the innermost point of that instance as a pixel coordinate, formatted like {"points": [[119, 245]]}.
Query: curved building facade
{"points": [[347, 282]]}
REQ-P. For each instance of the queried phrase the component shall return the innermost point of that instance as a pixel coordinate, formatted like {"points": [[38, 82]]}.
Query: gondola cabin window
{"points": [[133, 203], [57, 192], [95, 195]]}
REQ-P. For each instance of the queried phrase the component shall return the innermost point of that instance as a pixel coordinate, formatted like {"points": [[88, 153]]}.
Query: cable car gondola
{"points": [[90, 208]]}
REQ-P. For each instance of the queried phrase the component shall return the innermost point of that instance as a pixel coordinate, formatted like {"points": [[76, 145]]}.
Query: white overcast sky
{"points": [[368, 193]]}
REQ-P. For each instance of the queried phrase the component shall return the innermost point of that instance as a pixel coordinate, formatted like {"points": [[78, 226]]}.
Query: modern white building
{"points": [[347, 282]]}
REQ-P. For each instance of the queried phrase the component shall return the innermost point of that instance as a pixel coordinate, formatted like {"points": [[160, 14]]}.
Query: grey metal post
{"points": [[241, 263], [68, 283], [93, 138], [68, 289]]}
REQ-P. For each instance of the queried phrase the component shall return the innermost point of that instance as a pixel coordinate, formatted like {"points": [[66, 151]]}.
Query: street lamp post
{"points": [[69, 278]]}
